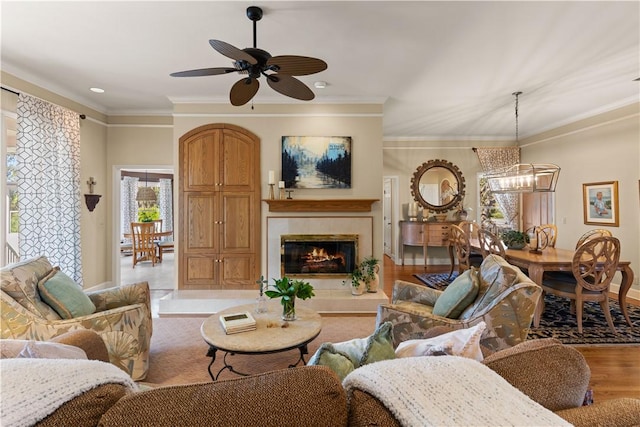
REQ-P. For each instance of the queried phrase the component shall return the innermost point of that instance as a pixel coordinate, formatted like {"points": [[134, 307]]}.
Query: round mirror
{"points": [[438, 185]]}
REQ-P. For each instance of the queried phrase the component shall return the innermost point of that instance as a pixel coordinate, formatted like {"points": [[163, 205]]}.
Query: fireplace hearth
{"points": [[318, 255]]}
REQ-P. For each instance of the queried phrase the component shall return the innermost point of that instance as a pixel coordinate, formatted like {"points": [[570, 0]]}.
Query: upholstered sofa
{"points": [[506, 300], [122, 315], [552, 375]]}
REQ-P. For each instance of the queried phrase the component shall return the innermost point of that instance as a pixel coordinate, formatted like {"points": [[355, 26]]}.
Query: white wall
{"points": [[604, 148]]}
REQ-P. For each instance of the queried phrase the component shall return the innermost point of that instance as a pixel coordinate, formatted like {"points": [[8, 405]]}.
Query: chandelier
{"points": [[146, 197], [523, 177]]}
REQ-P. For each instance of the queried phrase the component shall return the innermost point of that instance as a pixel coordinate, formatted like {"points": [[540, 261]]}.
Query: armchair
{"points": [[122, 317], [506, 302]]}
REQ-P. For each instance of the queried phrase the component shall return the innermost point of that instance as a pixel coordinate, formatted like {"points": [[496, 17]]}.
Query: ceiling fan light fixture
{"points": [[278, 70], [320, 84]]}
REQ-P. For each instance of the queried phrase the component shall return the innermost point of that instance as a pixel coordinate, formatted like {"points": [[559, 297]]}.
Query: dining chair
{"points": [[594, 265], [460, 241], [157, 225], [592, 234], [144, 246], [490, 243], [552, 234]]}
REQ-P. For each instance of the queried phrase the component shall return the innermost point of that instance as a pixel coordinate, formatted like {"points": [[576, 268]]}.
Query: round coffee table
{"points": [[272, 334]]}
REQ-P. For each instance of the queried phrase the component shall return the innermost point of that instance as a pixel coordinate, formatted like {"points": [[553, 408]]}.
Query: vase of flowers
{"points": [[288, 290]]}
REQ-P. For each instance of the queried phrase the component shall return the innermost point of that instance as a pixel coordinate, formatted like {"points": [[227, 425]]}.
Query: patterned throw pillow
{"points": [[20, 282], [346, 356], [461, 342], [65, 296]]}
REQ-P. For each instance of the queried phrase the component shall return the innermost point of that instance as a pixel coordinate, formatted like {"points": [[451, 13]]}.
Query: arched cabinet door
{"points": [[219, 208]]}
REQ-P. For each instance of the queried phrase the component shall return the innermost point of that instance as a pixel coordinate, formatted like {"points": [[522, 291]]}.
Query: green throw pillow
{"points": [[346, 356], [65, 296], [458, 295]]}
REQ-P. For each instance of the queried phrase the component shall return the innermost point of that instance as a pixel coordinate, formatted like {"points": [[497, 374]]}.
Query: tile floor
{"points": [[160, 277]]}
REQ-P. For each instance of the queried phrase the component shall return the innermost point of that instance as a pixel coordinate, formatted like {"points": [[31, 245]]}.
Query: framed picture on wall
{"points": [[316, 161], [600, 203]]}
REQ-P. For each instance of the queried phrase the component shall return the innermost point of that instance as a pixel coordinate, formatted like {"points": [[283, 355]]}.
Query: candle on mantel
{"points": [[272, 177], [280, 184]]}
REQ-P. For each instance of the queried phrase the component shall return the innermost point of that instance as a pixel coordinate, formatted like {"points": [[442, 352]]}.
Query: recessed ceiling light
{"points": [[320, 85], [96, 90]]}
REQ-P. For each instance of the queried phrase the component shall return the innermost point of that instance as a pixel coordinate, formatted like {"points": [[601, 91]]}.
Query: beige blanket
{"points": [[448, 391], [32, 389]]}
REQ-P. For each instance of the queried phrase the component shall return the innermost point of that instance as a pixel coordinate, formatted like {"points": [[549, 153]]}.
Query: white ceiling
{"points": [[442, 69]]}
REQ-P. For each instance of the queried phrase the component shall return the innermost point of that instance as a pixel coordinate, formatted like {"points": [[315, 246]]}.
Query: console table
{"points": [[425, 234]]}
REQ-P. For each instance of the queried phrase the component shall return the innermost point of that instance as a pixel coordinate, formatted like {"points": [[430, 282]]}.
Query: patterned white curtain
{"points": [[128, 205], [492, 158], [165, 203], [48, 157]]}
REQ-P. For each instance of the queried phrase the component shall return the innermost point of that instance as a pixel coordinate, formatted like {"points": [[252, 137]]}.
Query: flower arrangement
{"points": [[288, 290]]}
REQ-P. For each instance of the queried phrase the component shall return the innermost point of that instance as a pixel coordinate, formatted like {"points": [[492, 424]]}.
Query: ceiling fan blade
{"points": [[203, 72], [290, 86], [232, 52], [297, 65], [243, 90]]}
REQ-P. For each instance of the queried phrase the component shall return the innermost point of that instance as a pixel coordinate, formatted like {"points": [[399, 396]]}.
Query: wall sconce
{"points": [[91, 199]]}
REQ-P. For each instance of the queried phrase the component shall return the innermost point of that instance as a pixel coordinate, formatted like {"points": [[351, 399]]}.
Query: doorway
{"points": [[390, 215], [161, 276]]}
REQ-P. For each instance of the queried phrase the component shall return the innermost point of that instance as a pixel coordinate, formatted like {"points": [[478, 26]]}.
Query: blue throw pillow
{"points": [[458, 295], [65, 296]]}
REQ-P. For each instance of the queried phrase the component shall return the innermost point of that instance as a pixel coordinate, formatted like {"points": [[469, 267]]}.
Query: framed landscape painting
{"points": [[316, 161], [600, 203]]}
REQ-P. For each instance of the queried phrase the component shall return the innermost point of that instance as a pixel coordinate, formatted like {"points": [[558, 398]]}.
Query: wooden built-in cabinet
{"points": [[220, 208], [425, 234]]}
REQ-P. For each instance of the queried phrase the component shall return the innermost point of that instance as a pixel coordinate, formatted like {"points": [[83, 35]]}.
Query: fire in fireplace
{"points": [[318, 254]]}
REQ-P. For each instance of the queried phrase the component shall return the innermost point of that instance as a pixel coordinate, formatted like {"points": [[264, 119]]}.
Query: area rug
{"points": [[179, 354], [558, 322]]}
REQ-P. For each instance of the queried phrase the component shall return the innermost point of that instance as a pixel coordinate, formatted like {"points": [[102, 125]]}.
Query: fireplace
{"points": [[320, 255]]}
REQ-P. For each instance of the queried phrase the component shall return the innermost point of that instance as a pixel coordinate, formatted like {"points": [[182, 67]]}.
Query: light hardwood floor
{"points": [[615, 369]]}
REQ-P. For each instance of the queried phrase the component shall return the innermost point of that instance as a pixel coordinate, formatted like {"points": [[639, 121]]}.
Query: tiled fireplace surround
{"points": [[331, 295]]}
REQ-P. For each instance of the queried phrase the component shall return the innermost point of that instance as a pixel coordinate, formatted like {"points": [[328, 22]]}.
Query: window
{"points": [[490, 211]]}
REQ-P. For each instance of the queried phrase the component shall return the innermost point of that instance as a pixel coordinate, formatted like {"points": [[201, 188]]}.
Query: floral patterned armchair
{"points": [[122, 317], [506, 302]]}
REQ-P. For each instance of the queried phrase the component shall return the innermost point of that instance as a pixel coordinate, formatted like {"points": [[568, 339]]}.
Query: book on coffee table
{"points": [[238, 322]]}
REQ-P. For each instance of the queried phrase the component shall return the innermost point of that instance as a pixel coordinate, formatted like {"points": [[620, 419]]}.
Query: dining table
{"points": [[557, 259]]}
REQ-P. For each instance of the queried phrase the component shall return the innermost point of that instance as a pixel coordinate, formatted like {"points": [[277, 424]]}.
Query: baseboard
{"points": [[99, 287], [632, 294]]}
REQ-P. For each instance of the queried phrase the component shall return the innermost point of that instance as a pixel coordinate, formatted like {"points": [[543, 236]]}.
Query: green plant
{"points": [[355, 277], [516, 238], [288, 289], [368, 268], [148, 214]]}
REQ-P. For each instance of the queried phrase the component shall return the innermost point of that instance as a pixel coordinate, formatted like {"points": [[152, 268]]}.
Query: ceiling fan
{"points": [[278, 70]]}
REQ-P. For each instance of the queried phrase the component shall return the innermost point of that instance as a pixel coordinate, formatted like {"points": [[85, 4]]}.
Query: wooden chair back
{"points": [[595, 262], [461, 243], [144, 246], [157, 225], [592, 234], [490, 243], [552, 234]]}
